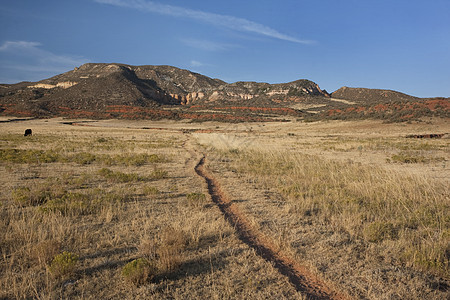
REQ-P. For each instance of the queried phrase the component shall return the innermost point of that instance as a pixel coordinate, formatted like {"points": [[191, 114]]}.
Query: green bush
{"points": [[63, 264], [29, 156], [72, 203], [139, 271], [69, 203], [36, 195]]}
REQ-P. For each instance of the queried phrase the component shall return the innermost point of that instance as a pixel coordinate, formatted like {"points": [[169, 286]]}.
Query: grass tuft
{"points": [[378, 231], [172, 242], [45, 251], [151, 190], [196, 200]]}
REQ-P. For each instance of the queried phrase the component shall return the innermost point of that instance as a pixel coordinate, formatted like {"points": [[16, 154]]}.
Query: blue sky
{"points": [[397, 44]]}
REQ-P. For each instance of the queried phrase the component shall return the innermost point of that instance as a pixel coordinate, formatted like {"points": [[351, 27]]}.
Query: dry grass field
{"points": [[118, 209]]}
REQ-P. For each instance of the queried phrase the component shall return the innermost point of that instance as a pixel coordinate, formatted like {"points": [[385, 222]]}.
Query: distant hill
{"points": [[371, 96], [97, 86], [388, 105], [99, 90]]}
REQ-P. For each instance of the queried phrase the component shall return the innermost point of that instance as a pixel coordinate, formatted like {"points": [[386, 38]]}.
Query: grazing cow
{"points": [[27, 132]]}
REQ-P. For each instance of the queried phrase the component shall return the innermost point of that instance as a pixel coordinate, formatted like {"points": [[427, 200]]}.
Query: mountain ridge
{"points": [[104, 89]]}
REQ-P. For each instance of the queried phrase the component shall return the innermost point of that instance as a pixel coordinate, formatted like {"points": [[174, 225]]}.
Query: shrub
{"points": [[158, 174], [196, 200], [29, 156], [63, 264], [83, 158], [151, 190], [378, 231], [21, 195], [102, 140], [69, 203], [35, 195], [138, 271], [72, 203]]}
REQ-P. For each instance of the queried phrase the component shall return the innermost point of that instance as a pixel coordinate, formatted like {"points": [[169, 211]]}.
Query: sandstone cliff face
{"points": [[64, 85]]}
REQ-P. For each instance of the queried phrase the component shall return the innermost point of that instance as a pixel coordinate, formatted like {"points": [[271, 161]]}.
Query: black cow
{"points": [[27, 132]]}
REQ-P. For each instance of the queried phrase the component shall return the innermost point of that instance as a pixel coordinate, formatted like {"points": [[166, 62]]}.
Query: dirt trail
{"points": [[302, 279], [300, 276]]}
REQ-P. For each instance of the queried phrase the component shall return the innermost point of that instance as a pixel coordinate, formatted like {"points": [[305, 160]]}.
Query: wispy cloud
{"points": [[24, 45], [196, 63], [28, 61], [230, 22]]}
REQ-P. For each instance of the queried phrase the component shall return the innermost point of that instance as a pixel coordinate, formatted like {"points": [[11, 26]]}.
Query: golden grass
{"points": [[328, 196], [70, 226], [325, 193], [366, 202]]}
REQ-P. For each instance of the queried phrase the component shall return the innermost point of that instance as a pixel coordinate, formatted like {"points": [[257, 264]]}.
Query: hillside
{"points": [[99, 90], [371, 96], [95, 87], [389, 105]]}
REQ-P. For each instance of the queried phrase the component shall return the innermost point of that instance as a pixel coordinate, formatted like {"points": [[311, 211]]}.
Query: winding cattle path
{"points": [[300, 277], [304, 281]]}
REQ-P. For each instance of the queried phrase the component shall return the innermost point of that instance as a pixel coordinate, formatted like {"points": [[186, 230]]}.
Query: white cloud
{"points": [[230, 22], [195, 63], [20, 45], [28, 61]]}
